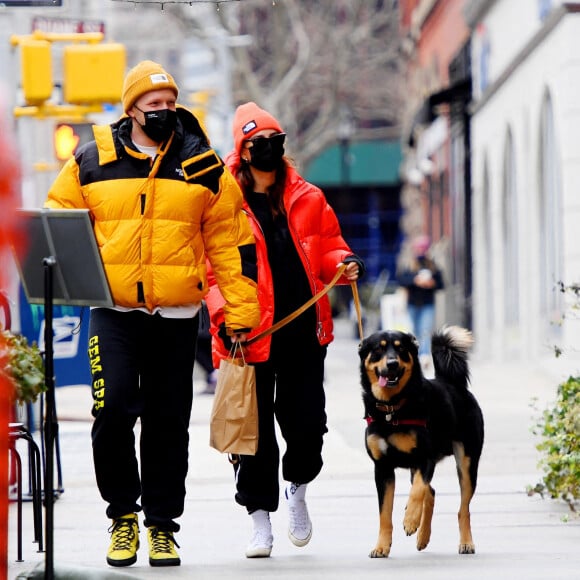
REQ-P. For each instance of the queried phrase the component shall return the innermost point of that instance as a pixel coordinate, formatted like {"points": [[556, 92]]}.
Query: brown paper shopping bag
{"points": [[234, 415]]}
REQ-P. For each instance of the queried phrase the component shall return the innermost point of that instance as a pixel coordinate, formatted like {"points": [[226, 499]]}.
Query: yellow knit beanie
{"points": [[144, 77]]}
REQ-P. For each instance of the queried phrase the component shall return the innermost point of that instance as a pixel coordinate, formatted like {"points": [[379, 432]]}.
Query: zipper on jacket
{"points": [[320, 331], [142, 203], [309, 275], [251, 216]]}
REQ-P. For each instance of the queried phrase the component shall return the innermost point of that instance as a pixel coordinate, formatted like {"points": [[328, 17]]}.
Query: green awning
{"points": [[371, 163]]}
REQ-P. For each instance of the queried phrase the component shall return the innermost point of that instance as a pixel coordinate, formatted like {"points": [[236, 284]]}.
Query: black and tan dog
{"points": [[414, 422]]}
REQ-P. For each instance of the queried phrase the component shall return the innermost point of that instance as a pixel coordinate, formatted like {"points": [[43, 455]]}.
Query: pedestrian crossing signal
{"points": [[69, 136]]}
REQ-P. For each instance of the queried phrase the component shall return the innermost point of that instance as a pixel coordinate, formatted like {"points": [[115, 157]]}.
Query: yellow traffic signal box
{"points": [[36, 71], [199, 104], [93, 73]]}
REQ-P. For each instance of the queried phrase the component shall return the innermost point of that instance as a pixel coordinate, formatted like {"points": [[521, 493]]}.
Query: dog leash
{"points": [[308, 304], [356, 301], [235, 458]]}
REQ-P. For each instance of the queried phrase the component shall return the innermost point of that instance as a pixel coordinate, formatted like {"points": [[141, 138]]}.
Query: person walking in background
{"points": [[203, 352], [161, 201], [299, 247], [421, 278]]}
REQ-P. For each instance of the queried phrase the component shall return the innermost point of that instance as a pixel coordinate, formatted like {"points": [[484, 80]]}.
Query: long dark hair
{"points": [[275, 191]]}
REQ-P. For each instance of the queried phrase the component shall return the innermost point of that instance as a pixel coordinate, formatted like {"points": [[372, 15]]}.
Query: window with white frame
{"points": [[488, 248], [549, 219], [510, 235]]}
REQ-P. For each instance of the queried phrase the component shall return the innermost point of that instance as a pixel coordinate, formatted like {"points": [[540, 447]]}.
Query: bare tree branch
{"points": [[309, 60]]}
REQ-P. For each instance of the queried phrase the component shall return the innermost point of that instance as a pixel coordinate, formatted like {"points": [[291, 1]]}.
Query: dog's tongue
{"points": [[382, 381]]}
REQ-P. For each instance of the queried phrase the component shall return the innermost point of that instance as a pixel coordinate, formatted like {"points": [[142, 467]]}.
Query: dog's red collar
{"points": [[389, 411], [395, 422]]}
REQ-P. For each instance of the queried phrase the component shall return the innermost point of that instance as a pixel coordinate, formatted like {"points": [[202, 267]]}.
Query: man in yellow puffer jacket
{"points": [[161, 201]]}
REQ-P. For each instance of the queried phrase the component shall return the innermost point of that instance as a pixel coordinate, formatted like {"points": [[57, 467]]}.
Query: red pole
{"points": [[4, 410], [9, 197]]}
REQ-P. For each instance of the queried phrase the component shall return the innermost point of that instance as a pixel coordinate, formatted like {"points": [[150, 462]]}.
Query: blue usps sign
{"points": [[70, 339]]}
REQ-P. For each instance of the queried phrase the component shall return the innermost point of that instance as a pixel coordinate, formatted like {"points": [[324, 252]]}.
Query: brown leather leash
{"points": [[339, 272], [233, 458], [356, 301]]}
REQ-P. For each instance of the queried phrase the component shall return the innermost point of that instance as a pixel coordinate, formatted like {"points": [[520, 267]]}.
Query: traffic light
{"points": [[93, 73], [36, 70], [69, 136], [199, 104]]}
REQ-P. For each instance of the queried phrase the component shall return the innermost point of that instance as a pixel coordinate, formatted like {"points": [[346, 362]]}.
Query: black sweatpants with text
{"points": [[142, 367]]}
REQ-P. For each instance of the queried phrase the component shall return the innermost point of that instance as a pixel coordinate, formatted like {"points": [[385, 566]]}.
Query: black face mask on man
{"points": [[266, 152], [159, 124]]}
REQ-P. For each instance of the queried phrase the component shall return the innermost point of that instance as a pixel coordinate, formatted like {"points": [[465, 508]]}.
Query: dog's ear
{"points": [[413, 340], [363, 349]]}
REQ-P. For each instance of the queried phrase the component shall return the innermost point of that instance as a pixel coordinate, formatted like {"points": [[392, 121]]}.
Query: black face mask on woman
{"points": [[266, 152], [159, 124]]}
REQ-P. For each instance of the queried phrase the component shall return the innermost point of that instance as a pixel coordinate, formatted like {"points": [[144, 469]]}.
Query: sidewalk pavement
{"points": [[516, 536]]}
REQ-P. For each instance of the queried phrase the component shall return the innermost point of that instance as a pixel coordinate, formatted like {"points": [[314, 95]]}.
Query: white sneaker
{"points": [[300, 526], [260, 545]]}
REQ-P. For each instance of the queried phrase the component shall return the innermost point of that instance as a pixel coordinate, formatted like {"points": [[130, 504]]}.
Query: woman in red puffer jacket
{"points": [[299, 246]]}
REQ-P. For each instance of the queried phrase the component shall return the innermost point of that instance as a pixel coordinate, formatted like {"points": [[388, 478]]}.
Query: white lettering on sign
{"points": [[66, 336], [67, 25]]}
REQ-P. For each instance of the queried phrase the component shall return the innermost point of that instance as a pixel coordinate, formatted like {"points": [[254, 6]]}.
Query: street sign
{"points": [[66, 25], [11, 3], [71, 338]]}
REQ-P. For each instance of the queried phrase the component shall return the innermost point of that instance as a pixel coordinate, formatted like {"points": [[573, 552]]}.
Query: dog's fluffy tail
{"points": [[450, 345]]}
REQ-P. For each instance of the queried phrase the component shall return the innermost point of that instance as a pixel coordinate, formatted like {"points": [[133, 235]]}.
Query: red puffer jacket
{"points": [[320, 245]]}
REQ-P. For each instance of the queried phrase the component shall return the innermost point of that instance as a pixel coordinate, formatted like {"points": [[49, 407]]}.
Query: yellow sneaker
{"points": [[124, 541], [162, 548]]}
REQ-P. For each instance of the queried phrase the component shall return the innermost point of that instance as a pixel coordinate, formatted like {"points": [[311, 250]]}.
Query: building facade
{"points": [[525, 160], [435, 197]]}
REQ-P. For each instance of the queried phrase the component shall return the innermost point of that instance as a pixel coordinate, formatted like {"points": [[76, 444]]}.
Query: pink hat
{"points": [[421, 244], [248, 120]]}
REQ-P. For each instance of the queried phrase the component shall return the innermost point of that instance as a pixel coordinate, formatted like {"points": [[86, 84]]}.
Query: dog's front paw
{"points": [[412, 518], [380, 552], [466, 548], [423, 537]]}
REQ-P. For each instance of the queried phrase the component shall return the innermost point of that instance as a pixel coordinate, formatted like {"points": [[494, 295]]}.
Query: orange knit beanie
{"points": [[248, 120], [144, 77]]}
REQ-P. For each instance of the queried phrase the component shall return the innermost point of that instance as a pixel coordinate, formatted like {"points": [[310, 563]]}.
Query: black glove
{"points": [[361, 265], [226, 338]]}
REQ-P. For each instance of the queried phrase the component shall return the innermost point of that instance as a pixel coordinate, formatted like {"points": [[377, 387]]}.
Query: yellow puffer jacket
{"points": [[156, 220]]}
